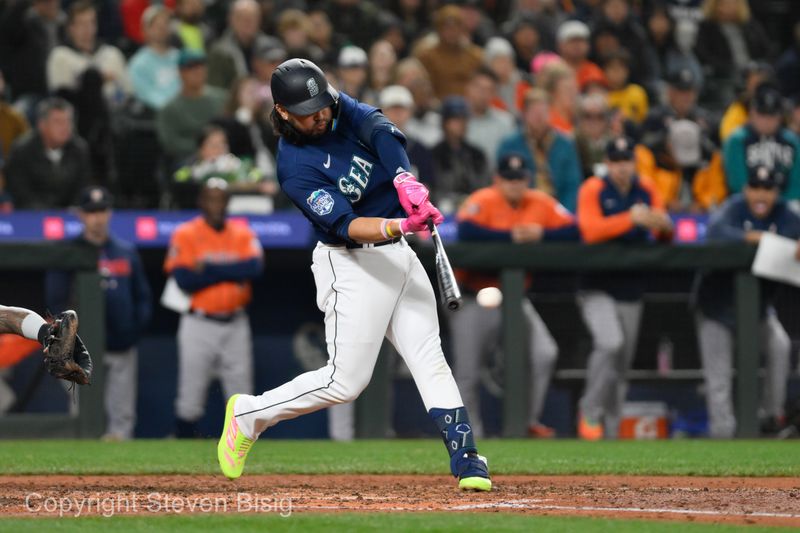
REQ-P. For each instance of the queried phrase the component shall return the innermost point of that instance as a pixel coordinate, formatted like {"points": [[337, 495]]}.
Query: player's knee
{"points": [[610, 343], [348, 391]]}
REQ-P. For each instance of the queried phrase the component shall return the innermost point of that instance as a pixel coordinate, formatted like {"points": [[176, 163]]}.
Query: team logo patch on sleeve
{"points": [[321, 202]]}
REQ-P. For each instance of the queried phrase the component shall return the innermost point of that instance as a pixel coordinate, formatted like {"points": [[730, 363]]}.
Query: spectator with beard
{"points": [[189, 29]]}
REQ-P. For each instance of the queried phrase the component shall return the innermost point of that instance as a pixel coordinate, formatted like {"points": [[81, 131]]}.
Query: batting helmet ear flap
{"points": [[301, 87]]}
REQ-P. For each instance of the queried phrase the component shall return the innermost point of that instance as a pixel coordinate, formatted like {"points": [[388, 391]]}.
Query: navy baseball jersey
{"points": [[338, 178]]}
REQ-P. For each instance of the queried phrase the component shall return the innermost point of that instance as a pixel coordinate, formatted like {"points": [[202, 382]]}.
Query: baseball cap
{"points": [[94, 198], [573, 29], [765, 178], [271, 51], [683, 79], [454, 107], [512, 167], [768, 100], [620, 149], [189, 58], [352, 57], [497, 47], [395, 96]]}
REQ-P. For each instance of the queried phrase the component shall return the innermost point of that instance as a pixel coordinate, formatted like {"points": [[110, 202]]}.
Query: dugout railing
{"points": [[513, 261], [87, 421]]}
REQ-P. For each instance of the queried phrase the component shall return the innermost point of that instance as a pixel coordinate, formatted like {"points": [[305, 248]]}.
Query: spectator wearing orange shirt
{"points": [[214, 260], [620, 207], [509, 211], [573, 47]]}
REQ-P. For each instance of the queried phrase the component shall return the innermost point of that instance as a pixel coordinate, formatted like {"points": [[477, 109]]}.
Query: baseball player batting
{"points": [[344, 165]]}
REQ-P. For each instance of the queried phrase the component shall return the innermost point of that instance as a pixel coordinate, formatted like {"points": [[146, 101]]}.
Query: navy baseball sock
{"points": [[456, 433]]}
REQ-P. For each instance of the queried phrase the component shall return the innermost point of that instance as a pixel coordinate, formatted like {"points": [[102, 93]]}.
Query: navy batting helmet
{"points": [[300, 86]]}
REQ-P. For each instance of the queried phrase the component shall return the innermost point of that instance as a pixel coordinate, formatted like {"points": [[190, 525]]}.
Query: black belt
{"points": [[351, 245], [225, 318]]}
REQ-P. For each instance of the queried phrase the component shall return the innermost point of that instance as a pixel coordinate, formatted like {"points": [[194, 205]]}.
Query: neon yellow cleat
{"points": [[233, 445], [475, 483]]}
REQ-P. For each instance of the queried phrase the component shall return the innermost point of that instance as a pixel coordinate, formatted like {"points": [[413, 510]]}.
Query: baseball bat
{"points": [[448, 288]]}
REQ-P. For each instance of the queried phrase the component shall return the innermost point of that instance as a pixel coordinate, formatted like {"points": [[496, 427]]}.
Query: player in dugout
{"points": [[745, 217], [507, 211], [620, 207]]}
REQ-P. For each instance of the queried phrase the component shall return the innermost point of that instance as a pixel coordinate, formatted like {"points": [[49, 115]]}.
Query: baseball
{"points": [[489, 297]]}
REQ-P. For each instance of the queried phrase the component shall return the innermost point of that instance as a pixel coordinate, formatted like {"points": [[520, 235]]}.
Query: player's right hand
{"points": [[417, 222]]}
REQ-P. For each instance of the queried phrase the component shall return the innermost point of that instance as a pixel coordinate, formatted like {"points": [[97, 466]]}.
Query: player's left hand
{"points": [[66, 357]]}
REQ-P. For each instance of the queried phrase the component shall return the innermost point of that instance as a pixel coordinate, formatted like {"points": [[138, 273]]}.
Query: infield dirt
{"points": [[765, 501]]}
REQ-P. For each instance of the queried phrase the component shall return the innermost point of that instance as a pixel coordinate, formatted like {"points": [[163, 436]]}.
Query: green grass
{"points": [[681, 457], [361, 522]]}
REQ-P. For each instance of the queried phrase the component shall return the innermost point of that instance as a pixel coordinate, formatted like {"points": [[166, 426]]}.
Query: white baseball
{"points": [[489, 297]]}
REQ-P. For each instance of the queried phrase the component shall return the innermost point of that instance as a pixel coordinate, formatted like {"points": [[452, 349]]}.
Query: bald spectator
{"points": [[231, 55], [452, 61], [154, 68], [573, 46], [487, 126], [180, 122], [48, 166], [499, 56]]}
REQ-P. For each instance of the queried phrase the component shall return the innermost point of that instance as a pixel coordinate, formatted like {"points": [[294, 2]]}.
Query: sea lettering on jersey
{"points": [[355, 183]]}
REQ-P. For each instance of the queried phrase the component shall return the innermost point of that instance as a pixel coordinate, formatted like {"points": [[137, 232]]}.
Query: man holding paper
{"points": [[744, 217]]}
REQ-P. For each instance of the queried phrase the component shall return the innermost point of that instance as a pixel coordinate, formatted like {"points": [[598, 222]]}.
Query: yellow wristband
{"points": [[389, 229]]}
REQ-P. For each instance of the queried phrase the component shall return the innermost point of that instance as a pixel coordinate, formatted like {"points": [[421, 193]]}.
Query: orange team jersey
{"points": [[14, 348], [604, 215], [195, 241], [489, 209]]}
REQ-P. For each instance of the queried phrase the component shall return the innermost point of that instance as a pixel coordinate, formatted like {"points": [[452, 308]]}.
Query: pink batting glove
{"points": [[431, 212], [412, 193], [415, 223]]}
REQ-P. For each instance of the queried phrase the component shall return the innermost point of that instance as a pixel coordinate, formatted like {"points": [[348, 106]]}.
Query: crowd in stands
{"points": [[131, 94]]}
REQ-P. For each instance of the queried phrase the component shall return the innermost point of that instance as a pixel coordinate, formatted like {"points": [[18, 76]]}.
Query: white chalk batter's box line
{"points": [[539, 505]]}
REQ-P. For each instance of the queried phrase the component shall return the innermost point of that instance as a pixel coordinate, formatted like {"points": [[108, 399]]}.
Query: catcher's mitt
{"points": [[66, 357]]}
